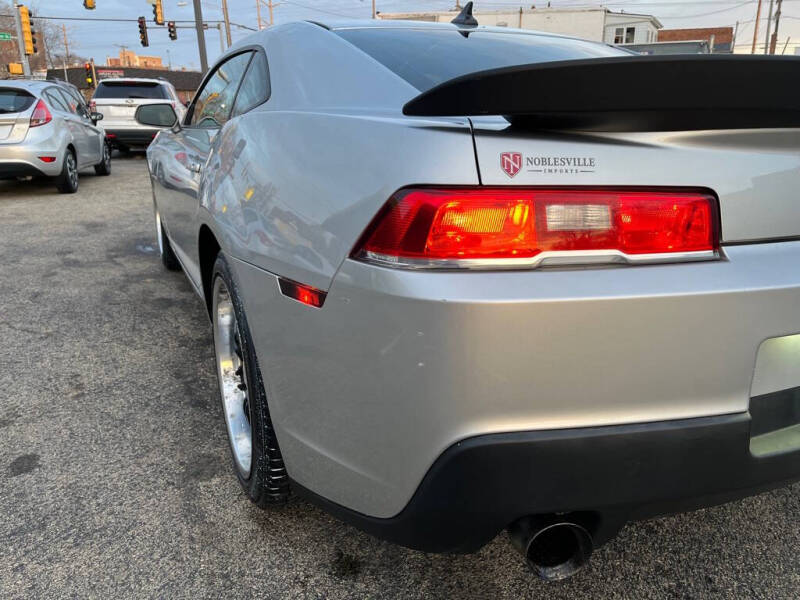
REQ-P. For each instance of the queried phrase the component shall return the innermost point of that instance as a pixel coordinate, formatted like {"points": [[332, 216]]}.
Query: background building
{"points": [[594, 23], [718, 39], [128, 58]]}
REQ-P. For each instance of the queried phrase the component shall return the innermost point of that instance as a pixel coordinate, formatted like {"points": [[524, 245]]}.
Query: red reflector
{"points": [[47, 159], [111, 136], [302, 293], [437, 225], [41, 115]]}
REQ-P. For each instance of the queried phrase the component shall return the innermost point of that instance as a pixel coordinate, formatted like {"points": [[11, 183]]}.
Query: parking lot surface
{"points": [[115, 476]]}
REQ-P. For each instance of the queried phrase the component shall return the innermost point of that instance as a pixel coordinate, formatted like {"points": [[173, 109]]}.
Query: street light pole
{"points": [[26, 68], [258, 13], [201, 36]]}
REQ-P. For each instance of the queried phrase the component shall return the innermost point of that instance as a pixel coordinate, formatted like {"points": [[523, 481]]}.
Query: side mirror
{"points": [[156, 115], [96, 116]]}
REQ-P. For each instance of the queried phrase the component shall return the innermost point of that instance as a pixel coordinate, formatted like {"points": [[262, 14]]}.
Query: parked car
{"points": [[118, 99], [47, 130], [462, 279]]}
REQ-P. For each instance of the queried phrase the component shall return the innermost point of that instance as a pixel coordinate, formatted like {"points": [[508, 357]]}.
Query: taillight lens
{"points": [[41, 114], [527, 226]]}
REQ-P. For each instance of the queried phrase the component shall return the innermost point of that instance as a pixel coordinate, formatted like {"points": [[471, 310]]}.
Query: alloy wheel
{"points": [[233, 378]]}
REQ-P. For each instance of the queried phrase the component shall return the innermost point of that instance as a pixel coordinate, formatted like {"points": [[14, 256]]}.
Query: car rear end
{"points": [[605, 327], [118, 99], [32, 138]]}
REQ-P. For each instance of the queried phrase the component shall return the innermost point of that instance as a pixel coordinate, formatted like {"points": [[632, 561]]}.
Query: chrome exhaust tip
{"points": [[554, 548]]}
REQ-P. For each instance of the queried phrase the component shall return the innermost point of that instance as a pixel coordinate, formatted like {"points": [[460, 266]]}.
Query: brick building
{"points": [[719, 39]]}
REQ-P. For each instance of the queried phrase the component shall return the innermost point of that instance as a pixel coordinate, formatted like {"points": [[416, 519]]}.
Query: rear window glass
{"points": [[148, 91], [13, 101], [425, 58]]}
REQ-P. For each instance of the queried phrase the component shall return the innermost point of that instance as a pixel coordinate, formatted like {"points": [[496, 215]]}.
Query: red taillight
{"points": [[111, 136], [41, 115], [302, 293], [527, 225]]}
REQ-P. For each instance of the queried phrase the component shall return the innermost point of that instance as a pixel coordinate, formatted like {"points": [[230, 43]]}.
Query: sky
{"points": [[101, 39]]}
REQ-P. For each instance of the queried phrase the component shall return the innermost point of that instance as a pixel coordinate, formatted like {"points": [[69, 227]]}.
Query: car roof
{"points": [[34, 84], [339, 24], [132, 80]]}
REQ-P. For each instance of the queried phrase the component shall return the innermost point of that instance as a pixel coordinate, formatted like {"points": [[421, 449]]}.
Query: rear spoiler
{"points": [[628, 93]]}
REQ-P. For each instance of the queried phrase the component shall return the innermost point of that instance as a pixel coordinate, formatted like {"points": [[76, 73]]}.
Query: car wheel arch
{"points": [[208, 248]]}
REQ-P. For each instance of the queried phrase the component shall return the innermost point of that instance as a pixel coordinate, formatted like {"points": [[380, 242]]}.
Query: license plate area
{"points": [[775, 423]]}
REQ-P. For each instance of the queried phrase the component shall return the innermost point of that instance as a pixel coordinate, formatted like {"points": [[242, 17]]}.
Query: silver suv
{"points": [[118, 99], [46, 129]]}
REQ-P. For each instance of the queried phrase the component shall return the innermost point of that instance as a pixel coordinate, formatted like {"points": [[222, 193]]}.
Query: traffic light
{"points": [[173, 31], [33, 38], [88, 68], [143, 32], [88, 4], [27, 36], [158, 13]]}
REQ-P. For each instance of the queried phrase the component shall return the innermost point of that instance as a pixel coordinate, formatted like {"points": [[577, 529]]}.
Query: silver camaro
{"points": [[464, 279]]}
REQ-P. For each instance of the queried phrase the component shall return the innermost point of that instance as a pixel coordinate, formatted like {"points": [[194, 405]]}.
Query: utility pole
{"points": [[66, 42], [735, 33], [775, 31], [201, 36], [228, 22], [26, 68], [755, 33], [270, 5], [258, 13], [769, 25], [374, 14]]}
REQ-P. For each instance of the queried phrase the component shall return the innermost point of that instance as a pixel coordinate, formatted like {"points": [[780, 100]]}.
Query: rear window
{"points": [[425, 58], [128, 89], [14, 101]]}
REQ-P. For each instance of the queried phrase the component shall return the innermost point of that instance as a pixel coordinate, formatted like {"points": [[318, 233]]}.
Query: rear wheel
{"points": [[168, 258], [67, 180], [256, 456], [104, 166]]}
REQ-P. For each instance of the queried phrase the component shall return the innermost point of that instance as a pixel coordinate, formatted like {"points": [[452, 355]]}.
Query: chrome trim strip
{"points": [[545, 259]]}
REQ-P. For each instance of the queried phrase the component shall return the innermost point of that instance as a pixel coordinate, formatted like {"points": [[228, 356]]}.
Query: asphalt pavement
{"points": [[115, 474]]}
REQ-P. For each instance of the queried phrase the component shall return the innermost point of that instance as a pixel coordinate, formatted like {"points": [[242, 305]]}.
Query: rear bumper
{"points": [[479, 486], [368, 392], [139, 136], [20, 169]]}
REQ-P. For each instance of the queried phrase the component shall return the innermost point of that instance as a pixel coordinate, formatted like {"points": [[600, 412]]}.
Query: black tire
{"points": [[104, 166], [168, 258], [268, 482], [67, 180]]}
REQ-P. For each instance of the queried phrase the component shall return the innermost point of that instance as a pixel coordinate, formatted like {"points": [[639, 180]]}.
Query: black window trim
{"points": [[58, 99], [241, 83], [252, 49]]}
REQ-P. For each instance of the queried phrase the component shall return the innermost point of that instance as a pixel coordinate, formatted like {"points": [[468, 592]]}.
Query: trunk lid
{"points": [[755, 173]]}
